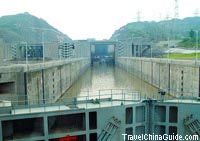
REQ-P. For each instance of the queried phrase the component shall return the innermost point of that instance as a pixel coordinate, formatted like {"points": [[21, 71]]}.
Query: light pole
{"points": [[43, 50], [25, 46], [43, 43], [197, 36], [168, 49], [26, 53], [151, 50]]}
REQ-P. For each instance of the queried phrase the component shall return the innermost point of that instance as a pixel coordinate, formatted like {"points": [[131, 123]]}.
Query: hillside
{"points": [[26, 27], [157, 31]]}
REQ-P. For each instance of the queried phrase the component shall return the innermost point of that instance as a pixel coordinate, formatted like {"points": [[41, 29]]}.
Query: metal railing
{"points": [[107, 95], [112, 97]]}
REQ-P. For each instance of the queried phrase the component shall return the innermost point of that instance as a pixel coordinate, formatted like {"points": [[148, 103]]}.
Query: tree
{"points": [[192, 35]]}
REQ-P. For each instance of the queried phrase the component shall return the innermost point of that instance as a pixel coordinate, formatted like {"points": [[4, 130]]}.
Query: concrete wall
{"points": [[82, 48], [123, 49], [178, 77], [51, 50], [51, 83], [11, 83], [39, 83], [164, 117]]}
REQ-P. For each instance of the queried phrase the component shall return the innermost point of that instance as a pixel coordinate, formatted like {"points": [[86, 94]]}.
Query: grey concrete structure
{"points": [[177, 77], [82, 48], [66, 50], [7, 51], [103, 51], [52, 50], [41, 82], [132, 47], [23, 51], [110, 118]]}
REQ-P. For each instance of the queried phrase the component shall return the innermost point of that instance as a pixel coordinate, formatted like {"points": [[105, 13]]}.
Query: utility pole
{"points": [[197, 36], [26, 53]]}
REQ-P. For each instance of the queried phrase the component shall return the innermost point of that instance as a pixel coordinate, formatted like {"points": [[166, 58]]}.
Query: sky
{"points": [[83, 19]]}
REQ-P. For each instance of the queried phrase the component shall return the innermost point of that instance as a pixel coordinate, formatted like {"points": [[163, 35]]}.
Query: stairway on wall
{"points": [[110, 129]]}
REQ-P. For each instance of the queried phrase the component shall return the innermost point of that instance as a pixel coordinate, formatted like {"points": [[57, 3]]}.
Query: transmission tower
{"points": [[176, 10], [167, 17], [196, 13], [138, 16]]}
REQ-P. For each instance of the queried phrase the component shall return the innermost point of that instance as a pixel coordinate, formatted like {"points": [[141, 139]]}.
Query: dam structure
{"points": [[97, 91]]}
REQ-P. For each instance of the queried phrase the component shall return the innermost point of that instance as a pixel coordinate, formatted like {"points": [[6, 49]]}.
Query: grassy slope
{"points": [[183, 56]]}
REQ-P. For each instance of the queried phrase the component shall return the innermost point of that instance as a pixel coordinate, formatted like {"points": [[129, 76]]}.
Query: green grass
{"points": [[182, 56], [188, 43]]}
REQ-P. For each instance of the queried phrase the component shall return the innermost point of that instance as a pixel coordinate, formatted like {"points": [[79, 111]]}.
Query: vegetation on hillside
{"points": [[26, 27], [182, 56], [191, 41], [159, 31]]}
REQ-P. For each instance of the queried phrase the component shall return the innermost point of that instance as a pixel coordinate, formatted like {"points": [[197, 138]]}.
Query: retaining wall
{"points": [[177, 77]]}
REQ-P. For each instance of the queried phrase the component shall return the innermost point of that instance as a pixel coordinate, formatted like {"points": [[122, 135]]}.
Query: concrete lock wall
{"points": [[5, 79], [50, 83], [41, 82], [177, 77]]}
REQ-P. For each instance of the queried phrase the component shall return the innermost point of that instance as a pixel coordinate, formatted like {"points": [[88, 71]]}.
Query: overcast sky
{"points": [[82, 19]]}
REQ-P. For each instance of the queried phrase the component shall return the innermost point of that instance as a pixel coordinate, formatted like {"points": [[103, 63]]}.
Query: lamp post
{"points": [[24, 44], [43, 49], [151, 51], [26, 53], [197, 36], [168, 44]]}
